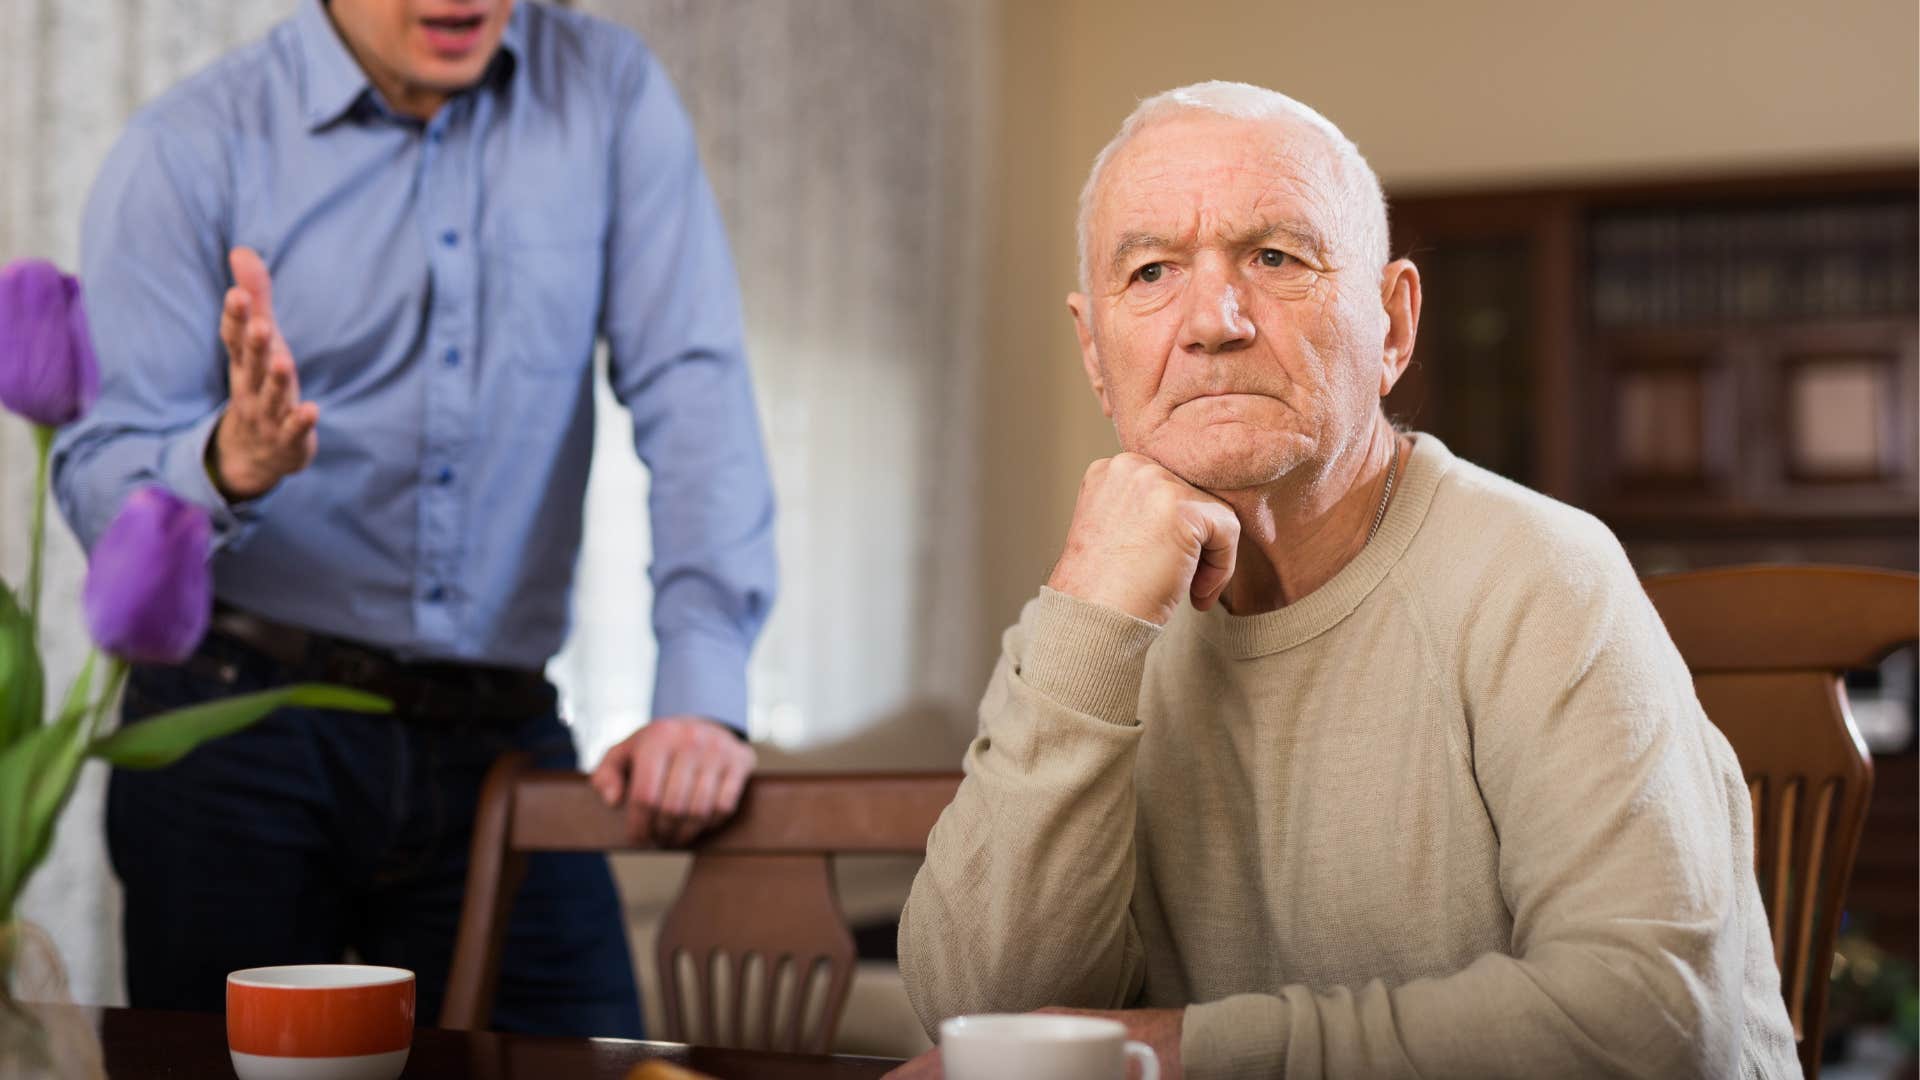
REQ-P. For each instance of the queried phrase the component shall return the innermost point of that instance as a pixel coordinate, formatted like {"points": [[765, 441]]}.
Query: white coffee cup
{"points": [[1036, 1046]]}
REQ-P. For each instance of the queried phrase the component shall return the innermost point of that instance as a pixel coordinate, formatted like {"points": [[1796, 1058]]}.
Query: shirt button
{"points": [[444, 476], [452, 358], [450, 238], [436, 594], [436, 136]]}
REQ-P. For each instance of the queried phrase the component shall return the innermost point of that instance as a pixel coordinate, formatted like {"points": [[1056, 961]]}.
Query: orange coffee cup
{"points": [[309, 1021]]}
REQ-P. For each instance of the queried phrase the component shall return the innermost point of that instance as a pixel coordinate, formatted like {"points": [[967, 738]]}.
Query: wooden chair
{"points": [[1766, 646], [759, 898]]}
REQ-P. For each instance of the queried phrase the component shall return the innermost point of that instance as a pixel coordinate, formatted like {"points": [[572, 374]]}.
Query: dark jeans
{"points": [[315, 832]]}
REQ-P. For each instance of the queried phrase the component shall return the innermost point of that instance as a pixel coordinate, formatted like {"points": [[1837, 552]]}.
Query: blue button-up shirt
{"points": [[441, 286]]}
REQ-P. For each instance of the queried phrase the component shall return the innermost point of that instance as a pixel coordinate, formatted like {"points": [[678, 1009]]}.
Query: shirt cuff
{"points": [[183, 468], [1086, 656], [702, 675], [1244, 1036]]}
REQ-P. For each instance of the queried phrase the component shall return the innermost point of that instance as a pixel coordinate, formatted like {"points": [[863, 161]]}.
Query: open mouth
{"points": [[453, 35]]}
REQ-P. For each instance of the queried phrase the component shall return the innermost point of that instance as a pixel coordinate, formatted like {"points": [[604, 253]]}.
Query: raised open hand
{"points": [[267, 432]]}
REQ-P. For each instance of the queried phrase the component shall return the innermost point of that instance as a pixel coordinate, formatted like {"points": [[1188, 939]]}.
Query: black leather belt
{"points": [[436, 692]]}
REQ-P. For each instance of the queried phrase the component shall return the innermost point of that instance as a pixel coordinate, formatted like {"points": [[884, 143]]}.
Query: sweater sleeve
{"points": [[1622, 822], [1024, 898]]}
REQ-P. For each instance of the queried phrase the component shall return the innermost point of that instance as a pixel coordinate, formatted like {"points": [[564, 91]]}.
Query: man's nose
{"points": [[1215, 322]]}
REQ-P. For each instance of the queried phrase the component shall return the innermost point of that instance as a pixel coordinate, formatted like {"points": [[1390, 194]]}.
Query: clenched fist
{"points": [[1142, 537], [267, 432]]}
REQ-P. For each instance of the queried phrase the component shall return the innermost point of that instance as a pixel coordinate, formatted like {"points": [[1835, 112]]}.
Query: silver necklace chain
{"points": [[1380, 515]]}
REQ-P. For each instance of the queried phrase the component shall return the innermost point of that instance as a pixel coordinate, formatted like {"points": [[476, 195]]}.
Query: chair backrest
{"points": [[1767, 646], [754, 950]]}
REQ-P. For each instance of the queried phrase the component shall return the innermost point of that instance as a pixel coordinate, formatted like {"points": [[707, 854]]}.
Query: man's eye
{"points": [[1149, 273], [1272, 257]]}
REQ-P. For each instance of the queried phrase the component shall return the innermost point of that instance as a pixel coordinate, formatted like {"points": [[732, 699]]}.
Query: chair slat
{"points": [[1762, 849], [1820, 820], [1785, 816], [736, 1005]]}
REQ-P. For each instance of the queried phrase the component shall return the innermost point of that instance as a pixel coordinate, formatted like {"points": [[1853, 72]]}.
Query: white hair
{"points": [[1363, 204]]}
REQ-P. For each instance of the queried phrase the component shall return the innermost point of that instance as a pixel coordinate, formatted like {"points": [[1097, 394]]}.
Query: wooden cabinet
{"points": [[1723, 370]]}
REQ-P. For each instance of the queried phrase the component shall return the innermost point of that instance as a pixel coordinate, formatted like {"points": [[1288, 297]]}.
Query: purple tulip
{"points": [[149, 591], [48, 372]]}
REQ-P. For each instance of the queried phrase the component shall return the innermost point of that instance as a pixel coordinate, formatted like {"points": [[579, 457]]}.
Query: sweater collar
{"points": [[1247, 636]]}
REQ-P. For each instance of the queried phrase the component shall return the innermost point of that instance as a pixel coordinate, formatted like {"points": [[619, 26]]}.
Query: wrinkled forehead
{"points": [[1194, 175]]}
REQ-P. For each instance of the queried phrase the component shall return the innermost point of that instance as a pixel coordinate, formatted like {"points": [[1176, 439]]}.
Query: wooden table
{"points": [[147, 1044]]}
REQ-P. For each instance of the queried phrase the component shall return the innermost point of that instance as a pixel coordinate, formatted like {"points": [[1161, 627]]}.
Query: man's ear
{"points": [[1400, 295], [1082, 310]]}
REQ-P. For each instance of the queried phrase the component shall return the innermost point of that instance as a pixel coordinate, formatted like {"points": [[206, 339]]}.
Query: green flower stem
{"points": [[43, 444], [116, 678]]}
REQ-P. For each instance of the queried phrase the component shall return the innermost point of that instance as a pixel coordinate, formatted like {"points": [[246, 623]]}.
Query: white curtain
{"points": [[846, 141], [71, 73]]}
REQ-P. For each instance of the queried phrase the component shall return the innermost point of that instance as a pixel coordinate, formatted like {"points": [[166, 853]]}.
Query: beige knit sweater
{"points": [[1456, 813]]}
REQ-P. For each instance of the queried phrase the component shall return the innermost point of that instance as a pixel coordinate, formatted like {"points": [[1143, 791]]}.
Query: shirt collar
{"points": [[512, 44], [335, 80]]}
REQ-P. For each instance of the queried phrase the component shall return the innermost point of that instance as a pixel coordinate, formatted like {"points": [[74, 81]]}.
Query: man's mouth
{"points": [[453, 35]]}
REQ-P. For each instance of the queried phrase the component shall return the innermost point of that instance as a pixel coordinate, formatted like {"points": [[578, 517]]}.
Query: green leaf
{"points": [[51, 789], [22, 682], [36, 775], [161, 740], [54, 783]]}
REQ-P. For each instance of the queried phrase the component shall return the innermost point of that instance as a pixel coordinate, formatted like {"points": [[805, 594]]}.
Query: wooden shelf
{"points": [[1626, 347]]}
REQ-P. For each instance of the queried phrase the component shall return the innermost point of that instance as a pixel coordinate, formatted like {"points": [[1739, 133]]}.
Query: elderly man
{"points": [[1416, 785], [346, 286]]}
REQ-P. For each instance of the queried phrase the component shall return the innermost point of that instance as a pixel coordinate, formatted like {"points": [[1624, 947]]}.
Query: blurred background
{"points": [[1670, 259]]}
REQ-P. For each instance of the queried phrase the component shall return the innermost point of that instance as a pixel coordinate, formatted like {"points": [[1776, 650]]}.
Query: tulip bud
{"points": [[149, 590], [48, 372]]}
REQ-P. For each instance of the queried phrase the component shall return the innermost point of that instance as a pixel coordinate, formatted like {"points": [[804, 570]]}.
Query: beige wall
{"points": [[1436, 94]]}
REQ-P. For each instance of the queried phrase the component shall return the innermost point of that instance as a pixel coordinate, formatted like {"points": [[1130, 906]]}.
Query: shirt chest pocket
{"points": [[543, 299]]}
